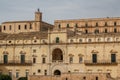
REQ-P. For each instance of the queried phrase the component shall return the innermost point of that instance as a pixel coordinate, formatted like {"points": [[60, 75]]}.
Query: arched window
{"points": [[57, 72], [57, 39], [57, 55]]}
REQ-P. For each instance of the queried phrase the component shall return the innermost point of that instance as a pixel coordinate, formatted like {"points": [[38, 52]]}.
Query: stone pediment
{"points": [[94, 51], [113, 51]]}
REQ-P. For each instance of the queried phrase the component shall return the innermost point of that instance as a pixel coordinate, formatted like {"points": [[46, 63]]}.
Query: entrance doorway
{"points": [[57, 72]]}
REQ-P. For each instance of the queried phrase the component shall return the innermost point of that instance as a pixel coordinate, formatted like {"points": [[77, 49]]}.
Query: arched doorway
{"points": [[57, 72], [57, 55]]}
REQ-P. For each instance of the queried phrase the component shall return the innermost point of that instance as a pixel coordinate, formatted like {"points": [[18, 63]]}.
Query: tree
{"points": [[22, 78], [5, 77]]}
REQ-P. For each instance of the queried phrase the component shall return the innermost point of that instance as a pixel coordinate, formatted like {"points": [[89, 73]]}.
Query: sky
{"points": [[18, 10]]}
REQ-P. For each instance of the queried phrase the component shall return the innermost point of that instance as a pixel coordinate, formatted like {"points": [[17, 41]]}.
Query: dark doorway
{"points": [[57, 72]]}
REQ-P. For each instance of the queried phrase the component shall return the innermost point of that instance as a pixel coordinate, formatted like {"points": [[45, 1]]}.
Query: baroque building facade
{"points": [[69, 46]]}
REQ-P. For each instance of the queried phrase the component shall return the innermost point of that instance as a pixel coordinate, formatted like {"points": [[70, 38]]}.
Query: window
{"points": [[106, 24], [94, 58], [108, 39], [96, 78], [113, 58], [5, 57], [76, 25], [10, 73], [86, 25], [17, 74], [10, 27], [9, 41], [27, 73], [80, 40], [30, 26], [96, 31], [106, 31], [39, 70], [4, 27], [99, 39], [89, 40], [19, 27], [57, 39], [71, 41], [96, 24], [45, 72], [84, 78], [80, 59], [34, 60], [25, 27], [115, 23], [68, 26], [22, 59], [34, 50], [86, 31], [70, 59], [59, 26], [115, 30], [43, 60]]}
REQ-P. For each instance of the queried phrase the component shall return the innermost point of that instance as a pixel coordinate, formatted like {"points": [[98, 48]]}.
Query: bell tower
{"points": [[38, 20], [38, 15]]}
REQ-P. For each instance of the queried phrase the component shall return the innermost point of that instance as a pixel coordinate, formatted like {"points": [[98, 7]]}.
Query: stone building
{"points": [[69, 46]]}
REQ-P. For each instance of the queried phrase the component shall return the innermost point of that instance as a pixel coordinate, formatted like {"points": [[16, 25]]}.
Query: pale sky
{"points": [[17, 10]]}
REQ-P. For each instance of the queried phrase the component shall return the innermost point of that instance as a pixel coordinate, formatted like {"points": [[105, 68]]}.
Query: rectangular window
{"points": [[17, 74], [45, 72], [94, 58], [113, 58], [10, 73], [27, 73], [34, 60], [4, 27], [22, 59], [25, 27], [10, 27], [80, 59], [43, 60], [71, 59], [19, 27], [5, 59]]}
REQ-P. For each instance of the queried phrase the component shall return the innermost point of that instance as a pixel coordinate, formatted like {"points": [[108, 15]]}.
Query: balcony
{"points": [[16, 63], [57, 61], [100, 62]]}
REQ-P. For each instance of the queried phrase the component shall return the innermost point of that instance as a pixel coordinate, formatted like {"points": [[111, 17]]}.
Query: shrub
{"points": [[5, 77]]}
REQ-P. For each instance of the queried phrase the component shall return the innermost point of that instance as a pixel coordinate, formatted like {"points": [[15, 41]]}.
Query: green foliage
{"points": [[22, 78], [5, 77]]}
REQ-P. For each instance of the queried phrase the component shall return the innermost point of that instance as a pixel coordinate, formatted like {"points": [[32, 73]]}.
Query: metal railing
{"points": [[100, 62], [16, 62]]}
